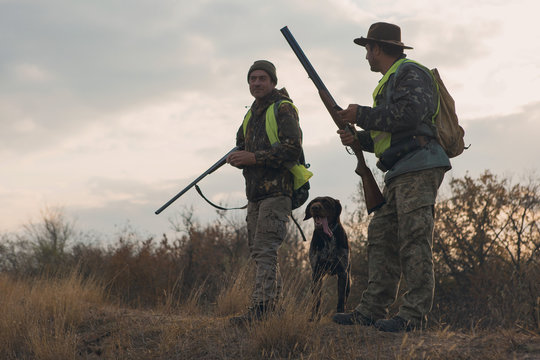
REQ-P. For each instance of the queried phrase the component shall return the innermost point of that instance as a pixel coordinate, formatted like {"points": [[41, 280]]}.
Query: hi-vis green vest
{"points": [[381, 139], [300, 173]]}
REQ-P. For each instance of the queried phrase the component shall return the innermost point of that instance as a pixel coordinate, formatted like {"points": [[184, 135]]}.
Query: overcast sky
{"points": [[109, 108]]}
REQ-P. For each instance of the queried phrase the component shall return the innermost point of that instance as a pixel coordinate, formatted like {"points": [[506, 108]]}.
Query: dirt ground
{"points": [[130, 334]]}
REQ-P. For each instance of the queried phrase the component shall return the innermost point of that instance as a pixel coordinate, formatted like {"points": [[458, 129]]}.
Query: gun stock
{"points": [[373, 196], [210, 170]]}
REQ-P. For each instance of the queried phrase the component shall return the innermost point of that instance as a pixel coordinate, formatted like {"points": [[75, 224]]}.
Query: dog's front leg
{"points": [[343, 286], [316, 290]]}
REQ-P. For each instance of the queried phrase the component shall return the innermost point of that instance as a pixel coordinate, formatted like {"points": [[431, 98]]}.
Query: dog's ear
{"points": [[308, 212], [338, 207]]}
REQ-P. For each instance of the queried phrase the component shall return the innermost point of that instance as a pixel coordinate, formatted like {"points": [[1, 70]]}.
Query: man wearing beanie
{"points": [[400, 129], [269, 183]]}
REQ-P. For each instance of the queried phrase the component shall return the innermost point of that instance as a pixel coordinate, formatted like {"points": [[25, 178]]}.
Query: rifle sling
{"points": [[243, 207], [214, 205], [299, 228]]}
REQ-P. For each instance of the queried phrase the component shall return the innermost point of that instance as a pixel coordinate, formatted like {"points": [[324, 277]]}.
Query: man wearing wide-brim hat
{"points": [[399, 129]]}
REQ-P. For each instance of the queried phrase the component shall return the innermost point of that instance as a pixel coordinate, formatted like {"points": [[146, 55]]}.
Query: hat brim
{"points": [[362, 41]]}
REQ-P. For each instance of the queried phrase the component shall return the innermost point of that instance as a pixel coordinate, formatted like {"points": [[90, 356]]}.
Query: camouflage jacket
{"points": [[269, 176], [406, 104], [405, 108]]}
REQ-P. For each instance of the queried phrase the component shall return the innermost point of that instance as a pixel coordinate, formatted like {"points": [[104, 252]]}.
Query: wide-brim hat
{"points": [[384, 33]]}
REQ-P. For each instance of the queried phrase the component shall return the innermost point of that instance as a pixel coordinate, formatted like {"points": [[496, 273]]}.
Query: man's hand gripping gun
{"points": [[373, 196]]}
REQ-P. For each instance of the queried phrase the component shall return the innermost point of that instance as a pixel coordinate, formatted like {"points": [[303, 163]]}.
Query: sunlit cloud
{"points": [[108, 110]]}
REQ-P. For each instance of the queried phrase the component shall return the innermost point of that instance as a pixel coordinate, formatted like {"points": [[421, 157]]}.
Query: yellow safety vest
{"points": [[381, 139], [300, 173]]}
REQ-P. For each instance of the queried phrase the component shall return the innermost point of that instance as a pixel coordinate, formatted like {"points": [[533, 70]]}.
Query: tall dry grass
{"points": [[40, 317], [234, 296], [290, 332], [173, 298], [70, 318], [285, 333]]}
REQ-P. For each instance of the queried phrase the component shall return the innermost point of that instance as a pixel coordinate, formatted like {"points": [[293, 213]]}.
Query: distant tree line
{"points": [[486, 249]]}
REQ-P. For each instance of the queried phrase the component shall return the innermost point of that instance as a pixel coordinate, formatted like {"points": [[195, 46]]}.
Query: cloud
{"points": [[505, 145], [31, 73], [514, 153], [108, 110]]}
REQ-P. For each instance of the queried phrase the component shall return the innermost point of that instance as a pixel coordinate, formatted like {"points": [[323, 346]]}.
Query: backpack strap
{"points": [[300, 172], [271, 125], [425, 69]]}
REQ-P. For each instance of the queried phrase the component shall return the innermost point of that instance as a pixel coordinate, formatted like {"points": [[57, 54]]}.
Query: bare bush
{"points": [[487, 245]]}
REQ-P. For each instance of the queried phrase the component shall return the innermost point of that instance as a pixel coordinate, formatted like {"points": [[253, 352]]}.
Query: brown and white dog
{"points": [[329, 252]]}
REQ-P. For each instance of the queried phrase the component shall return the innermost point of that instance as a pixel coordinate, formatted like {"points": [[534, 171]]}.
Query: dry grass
{"points": [[69, 319], [40, 319], [235, 296]]}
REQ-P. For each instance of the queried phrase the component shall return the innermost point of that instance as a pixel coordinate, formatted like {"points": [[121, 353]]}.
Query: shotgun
{"points": [[212, 168], [373, 196]]}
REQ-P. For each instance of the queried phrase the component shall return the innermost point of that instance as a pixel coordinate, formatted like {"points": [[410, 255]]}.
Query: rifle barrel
{"points": [[372, 194], [210, 170], [305, 62]]}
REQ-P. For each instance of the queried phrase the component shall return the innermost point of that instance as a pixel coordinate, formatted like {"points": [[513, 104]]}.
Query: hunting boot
{"points": [[397, 324], [352, 318], [254, 313]]}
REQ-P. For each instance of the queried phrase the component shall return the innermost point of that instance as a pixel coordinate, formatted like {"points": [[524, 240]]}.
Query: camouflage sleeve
{"points": [[240, 140], [412, 101], [289, 147]]}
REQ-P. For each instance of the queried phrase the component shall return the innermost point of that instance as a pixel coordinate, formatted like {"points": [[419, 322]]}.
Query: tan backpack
{"points": [[449, 133]]}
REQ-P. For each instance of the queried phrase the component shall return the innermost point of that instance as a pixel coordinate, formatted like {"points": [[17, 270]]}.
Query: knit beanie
{"points": [[266, 66]]}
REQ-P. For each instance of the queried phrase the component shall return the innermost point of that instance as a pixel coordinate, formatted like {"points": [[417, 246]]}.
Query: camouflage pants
{"points": [[400, 239], [267, 226]]}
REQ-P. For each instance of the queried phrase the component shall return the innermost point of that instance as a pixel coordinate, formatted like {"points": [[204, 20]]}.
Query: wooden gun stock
{"points": [[373, 196]]}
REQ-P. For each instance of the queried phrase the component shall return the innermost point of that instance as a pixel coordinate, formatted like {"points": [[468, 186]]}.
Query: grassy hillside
{"points": [[65, 296], [72, 319]]}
